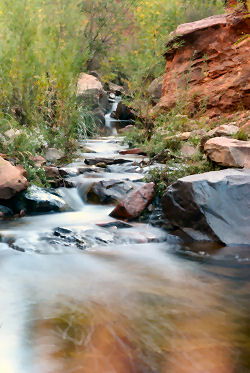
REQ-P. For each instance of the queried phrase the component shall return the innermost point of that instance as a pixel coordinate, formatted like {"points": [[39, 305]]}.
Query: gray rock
{"points": [[155, 88], [110, 191], [40, 200], [213, 206], [53, 154]]}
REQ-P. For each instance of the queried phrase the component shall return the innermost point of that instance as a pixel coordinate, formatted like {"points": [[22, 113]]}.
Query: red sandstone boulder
{"points": [[210, 60], [228, 152], [12, 179], [135, 203]]}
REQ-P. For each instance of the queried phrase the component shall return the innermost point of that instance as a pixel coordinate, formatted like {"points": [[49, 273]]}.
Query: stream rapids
{"points": [[142, 303]]}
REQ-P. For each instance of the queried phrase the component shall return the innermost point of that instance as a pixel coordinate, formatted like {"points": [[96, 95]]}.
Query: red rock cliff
{"points": [[208, 64]]}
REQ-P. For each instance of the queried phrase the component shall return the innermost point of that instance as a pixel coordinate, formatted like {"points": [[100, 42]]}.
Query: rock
{"points": [[155, 89], [68, 171], [91, 92], [209, 60], [228, 152], [51, 172], [226, 130], [123, 112], [88, 82], [115, 224], [135, 151], [5, 212], [101, 164], [40, 200], [109, 191], [53, 154], [223, 130], [188, 151], [12, 179], [118, 90], [108, 161], [38, 160], [212, 206], [67, 237], [135, 203]]}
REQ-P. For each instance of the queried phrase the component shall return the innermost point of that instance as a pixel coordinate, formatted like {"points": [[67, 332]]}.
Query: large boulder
{"points": [[213, 206], [91, 92], [209, 59], [228, 152], [12, 179], [135, 203]]}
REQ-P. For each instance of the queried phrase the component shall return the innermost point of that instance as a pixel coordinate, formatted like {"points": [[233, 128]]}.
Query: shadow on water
{"points": [[134, 308]]}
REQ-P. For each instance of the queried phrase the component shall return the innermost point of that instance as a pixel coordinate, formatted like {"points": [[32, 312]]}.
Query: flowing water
{"points": [[136, 300]]}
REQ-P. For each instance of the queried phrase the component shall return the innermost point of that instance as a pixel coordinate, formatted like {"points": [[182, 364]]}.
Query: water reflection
{"points": [[136, 308]]}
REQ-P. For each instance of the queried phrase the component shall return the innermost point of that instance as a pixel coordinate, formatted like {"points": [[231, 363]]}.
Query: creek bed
{"points": [[135, 299]]}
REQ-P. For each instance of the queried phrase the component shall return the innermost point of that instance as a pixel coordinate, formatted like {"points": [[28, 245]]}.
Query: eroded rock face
{"points": [[135, 203], [12, 179], [211, 206], [228, 152], [210, 59]]}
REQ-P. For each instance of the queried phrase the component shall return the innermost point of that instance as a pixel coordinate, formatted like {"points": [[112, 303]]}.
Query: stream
{"points": [[136, 299]]}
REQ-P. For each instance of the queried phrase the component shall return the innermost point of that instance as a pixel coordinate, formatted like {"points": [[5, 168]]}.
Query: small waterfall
{"points": [[109, 121]]}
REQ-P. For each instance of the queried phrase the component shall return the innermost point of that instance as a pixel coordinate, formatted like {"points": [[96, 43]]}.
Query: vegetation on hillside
{"points": [[45, 44]]}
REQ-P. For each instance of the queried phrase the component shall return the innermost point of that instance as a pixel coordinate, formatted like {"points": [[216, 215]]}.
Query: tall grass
{"points": [[41, 54]]}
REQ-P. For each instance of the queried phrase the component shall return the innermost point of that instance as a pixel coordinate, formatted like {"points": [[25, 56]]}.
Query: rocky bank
{"points": [[207, 64]]}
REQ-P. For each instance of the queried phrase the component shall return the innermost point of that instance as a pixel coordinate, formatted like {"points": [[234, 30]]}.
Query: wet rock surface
{"points": [[211, 206], [110, 191], [135, 203], [108, 161], [39, 200]]}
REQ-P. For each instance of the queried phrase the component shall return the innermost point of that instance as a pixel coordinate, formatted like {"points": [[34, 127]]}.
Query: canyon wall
{"points": [[208, 65]]}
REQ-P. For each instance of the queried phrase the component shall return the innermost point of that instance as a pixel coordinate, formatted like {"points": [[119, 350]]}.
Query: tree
{"points": [[106, 20]]}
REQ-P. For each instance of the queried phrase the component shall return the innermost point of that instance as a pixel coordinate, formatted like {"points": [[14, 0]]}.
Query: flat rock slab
{"points": [[108, 161], [213, 206], [228, 152]]}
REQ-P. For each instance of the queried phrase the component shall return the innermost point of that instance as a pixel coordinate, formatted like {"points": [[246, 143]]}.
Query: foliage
{"points": [[241, 135], [139, 58], [163, 177], [106, 20]]}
